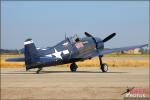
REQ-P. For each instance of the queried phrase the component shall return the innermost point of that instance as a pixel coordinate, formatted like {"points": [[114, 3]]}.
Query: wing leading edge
{"points": [[95, 53], [122, 49]]}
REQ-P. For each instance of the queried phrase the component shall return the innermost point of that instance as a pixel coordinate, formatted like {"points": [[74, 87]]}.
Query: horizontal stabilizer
{"points": [[15, 60]]}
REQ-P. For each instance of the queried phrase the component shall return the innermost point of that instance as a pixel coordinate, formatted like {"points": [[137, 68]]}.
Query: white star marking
{"points": [[57, 54]]}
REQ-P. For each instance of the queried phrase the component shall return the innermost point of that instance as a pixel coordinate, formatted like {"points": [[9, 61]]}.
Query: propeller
{"points": [[109, 37], [105, 40], [101, 42], [89, 35]]}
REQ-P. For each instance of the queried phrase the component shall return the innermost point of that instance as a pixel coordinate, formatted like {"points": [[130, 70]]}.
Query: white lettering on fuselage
{"points": [[49, 55], [44, 49]]}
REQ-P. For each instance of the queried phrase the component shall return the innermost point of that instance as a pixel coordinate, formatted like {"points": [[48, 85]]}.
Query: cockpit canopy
{"points": [[74, 38]]}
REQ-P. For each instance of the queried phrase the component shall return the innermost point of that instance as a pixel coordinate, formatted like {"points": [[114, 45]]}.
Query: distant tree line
{"points": [[11, 51]]}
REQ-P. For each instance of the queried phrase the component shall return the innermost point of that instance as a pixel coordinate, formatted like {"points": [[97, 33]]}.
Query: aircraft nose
{"points": [[100, 45]]}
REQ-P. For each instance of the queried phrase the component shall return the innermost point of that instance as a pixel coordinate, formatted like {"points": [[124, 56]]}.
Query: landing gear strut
{"points": [[39, 69], [73, 67], [104, 67]]}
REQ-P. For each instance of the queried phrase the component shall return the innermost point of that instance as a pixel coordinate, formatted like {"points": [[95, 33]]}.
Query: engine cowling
{"points": [[99, 44]]}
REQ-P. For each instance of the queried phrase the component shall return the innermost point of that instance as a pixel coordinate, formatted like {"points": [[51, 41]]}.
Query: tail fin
{"points": [[31, 54]]}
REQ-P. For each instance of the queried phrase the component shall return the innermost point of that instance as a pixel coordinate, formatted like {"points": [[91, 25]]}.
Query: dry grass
{"points": [[11, 64], [88, 63], [115, 63]]}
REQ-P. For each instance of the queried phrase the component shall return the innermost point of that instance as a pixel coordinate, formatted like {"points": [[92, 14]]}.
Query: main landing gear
{"points": [[73, 67], [103, 66]]}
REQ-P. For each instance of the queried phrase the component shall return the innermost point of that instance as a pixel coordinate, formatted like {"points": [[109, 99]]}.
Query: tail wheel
{"points": [[73, 67], [104, 67], [39, 69]]}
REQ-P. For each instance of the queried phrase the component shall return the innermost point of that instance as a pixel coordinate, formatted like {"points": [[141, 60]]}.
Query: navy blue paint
{"points": [[35, 58]]}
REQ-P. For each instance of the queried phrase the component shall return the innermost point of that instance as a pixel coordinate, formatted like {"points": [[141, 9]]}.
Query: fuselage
{"points": [[67, 51], [70, 50]]}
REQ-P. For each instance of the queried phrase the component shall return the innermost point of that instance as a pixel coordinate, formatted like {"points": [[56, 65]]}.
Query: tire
{"points": [[73, 67], [104, 67], [37, 72]]}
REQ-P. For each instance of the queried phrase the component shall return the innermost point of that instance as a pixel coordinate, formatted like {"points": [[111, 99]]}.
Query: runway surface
{"points": [[60, 83]]}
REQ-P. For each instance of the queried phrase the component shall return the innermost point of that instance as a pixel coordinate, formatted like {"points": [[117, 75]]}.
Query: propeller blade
{"points": [[88, 34], [109, 37]]}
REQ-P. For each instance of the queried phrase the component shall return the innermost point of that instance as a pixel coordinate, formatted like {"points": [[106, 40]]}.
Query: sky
{"points": [[47, 22]]}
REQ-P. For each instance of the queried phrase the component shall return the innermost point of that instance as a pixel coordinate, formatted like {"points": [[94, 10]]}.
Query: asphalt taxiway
{"points": [[60, 83]]}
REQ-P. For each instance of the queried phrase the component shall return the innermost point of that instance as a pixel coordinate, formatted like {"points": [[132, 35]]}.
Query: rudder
{"points": [[31, 54]]}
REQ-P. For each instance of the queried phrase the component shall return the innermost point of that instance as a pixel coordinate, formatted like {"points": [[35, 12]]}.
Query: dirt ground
{"points": [[60, 83]]}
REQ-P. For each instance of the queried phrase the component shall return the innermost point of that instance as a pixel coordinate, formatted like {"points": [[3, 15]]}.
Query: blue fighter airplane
{"points": [[70, 50]]}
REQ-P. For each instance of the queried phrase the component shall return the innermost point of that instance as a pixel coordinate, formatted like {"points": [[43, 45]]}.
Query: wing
{"points": [[15, 59], [122, 49], [96, 53], [87, 55]]}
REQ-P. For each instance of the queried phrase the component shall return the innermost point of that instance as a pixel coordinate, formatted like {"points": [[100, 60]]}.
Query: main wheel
{"points": [[73, 67], [104, 67]]}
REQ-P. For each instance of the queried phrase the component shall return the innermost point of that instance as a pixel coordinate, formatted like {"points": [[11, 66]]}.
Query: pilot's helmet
{"points": [[77, 39]]}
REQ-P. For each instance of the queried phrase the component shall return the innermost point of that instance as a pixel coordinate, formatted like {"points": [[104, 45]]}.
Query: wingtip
{"points": [[146, 44]]}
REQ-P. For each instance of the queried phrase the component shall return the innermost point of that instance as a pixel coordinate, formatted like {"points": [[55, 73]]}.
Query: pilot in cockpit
{"points": [[74, 39], [77, 40]]}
